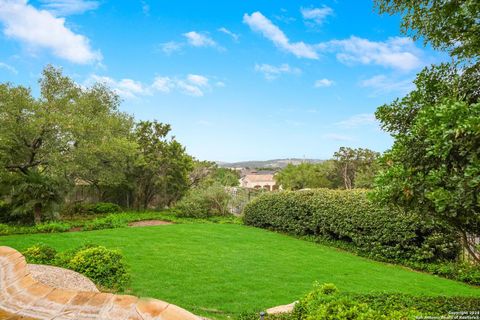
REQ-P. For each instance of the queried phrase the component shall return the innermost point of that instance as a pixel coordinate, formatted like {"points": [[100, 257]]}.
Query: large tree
{"points": [[52, 141], [353, 164], [307, 175], [433, 166], [452, 25], [161, 170]]}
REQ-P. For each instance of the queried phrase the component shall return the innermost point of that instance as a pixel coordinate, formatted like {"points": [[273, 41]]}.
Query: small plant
{"points": [[109, 222], [50, 227], [205, 201], [105, 267], [40, 254]]}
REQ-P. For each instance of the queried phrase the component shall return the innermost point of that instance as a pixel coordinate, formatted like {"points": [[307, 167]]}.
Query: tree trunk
{"points": [[37, 213], [474, 255]]}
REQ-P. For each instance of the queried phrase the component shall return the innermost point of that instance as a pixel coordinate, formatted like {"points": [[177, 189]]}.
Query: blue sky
{"points": [[237, 80]]}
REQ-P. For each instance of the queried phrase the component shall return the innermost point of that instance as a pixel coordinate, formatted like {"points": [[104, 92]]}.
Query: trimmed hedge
{"points": [[348, 216]]}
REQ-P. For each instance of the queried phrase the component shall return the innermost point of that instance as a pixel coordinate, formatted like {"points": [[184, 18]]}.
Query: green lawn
{"points": [[220, 269]]}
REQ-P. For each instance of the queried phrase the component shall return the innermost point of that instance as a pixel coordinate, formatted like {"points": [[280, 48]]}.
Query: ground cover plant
{"points": [[251, 269], [109, 221]]}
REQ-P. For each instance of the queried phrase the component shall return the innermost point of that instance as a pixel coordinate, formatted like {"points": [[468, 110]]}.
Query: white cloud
{"points": [[398, 52], [272, 72], [40, 29], [8, 67], [163, 84], [358, 120], [316, 15], [230, 33], [199, 40], [259, 23], [382, 84], [126, 88], [323, 83], [69, 7], [192, 85], [171, 47], [198, 80], [337, 137]]}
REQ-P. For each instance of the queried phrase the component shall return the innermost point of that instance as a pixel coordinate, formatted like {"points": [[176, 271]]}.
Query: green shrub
{"points": [[105, 267], [40, 254], [62, 259], [348, 216], [50, 227], [466, 272], [204, 201], [109, 222], [325, 302], [105, 207], [82, 209]]}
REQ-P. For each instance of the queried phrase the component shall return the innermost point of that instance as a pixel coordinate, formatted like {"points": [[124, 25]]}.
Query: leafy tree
{"points": [[162, 167], [451, 25], [50, 142], [434, 165], [226, 177], [306, 175], [356, 164]]}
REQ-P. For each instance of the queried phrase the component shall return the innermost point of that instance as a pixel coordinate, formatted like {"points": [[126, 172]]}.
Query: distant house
{"points": [[259, 180]]}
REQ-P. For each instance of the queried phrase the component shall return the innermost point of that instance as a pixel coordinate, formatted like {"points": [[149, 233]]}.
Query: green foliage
{"points": [[329, 304], [109, 222], [461, 271], [356, 167], [447, 25], [161, 169], [40, 254], [348, 216], [204, 201], [434, 165], [307, 175], [105, 267], [53, 226], [91, 208], [68, 134], [105, 207], [226, 177]]}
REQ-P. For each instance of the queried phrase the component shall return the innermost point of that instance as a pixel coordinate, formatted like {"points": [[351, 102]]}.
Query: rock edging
{"points": [[22, 295]]}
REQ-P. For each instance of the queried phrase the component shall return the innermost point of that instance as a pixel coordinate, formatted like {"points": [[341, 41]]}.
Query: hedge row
{"points": [[348, 216]]}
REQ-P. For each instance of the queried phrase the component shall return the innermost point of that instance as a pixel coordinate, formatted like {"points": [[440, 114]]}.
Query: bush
{"points": [[466, 272], [105, 267], [348, 216], [40, 254], [50, 227], [105, 207], [205, 201], [109, 222], [81, 209], [325, 302]]}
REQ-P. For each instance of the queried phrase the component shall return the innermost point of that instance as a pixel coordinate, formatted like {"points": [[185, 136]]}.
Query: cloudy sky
{"points": [[237, 80]]}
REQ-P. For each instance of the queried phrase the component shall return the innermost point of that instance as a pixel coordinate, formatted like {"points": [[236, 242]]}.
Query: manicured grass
{"points": [[220, 269]]}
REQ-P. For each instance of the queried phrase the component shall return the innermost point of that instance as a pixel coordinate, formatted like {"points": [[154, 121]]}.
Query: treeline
{"points": [[73, 138], [350, 168]]}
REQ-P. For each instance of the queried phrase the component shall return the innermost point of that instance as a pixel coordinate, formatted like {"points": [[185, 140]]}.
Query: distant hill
{"points": [[270, 164]]}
